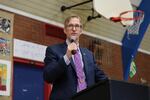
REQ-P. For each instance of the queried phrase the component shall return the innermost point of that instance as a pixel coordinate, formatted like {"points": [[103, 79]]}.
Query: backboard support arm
{"points": [[63, 8]]}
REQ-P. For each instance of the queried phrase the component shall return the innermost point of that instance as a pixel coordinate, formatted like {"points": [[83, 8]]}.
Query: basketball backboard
{"points": [[135, 3], [113, 8]]}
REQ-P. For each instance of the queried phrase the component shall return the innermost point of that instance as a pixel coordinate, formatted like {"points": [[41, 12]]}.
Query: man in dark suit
{"points": [[61, 67]]}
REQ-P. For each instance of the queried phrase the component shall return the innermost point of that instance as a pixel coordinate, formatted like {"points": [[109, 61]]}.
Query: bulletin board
{"points": [[6, 54]]}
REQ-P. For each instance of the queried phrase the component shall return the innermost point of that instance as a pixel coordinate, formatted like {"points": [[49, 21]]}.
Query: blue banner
{"points": [[131, 43]]}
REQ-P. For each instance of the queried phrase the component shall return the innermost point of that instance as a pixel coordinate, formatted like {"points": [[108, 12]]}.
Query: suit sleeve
{"points": [[55, 66], [99, 73]]}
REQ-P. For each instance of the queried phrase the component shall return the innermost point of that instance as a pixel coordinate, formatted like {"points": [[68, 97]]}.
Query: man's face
{"points": [[73, 28]]}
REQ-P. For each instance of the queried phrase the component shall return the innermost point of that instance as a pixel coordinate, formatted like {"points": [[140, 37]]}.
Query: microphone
{"points": [[73, 51]]}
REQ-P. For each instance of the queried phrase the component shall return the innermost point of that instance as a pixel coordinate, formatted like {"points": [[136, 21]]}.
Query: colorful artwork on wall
{"points": [[5, 25], [5, 71], [4, 47], [6, 53]]}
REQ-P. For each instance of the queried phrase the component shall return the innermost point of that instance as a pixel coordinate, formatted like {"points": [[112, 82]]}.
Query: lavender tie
{"points": [[80, 72]]}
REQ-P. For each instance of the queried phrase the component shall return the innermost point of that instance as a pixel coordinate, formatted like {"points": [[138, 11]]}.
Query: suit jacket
{"points": [[63, 77]]}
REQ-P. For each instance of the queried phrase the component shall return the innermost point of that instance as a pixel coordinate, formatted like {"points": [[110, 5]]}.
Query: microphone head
{"points": [[73, 52], [73, 38]]}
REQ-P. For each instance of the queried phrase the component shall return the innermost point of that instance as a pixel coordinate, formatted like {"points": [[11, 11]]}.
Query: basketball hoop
{"points": [[135, 22]]}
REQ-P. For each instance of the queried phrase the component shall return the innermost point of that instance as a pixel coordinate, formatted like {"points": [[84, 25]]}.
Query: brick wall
{"points": [[33, 31]]}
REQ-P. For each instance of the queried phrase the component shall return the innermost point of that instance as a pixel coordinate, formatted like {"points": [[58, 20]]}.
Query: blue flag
{"points": [[131, 42]]}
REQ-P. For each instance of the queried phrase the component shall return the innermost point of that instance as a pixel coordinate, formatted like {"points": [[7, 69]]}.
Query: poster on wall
{"points": [[6, 52], [5, 71], [5, 37], [5, 48]]}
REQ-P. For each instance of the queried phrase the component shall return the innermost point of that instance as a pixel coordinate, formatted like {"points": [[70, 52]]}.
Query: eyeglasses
{"points": [[77, 26]]}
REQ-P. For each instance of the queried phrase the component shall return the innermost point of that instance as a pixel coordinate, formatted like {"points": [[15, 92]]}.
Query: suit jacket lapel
{"points": [[64, 48], [72, 64], [84, 57]]}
